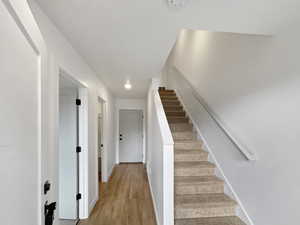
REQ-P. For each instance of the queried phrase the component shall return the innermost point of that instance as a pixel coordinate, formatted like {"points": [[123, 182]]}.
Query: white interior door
{"points": [[131, 136], [19, 125], [67, 154]]}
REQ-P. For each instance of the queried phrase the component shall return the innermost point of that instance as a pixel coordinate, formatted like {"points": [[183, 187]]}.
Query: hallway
{"points": [[125, 199]]}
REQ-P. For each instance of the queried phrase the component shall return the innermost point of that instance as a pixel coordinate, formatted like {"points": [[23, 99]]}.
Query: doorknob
{"points": [[121, 139], [121, 135]]}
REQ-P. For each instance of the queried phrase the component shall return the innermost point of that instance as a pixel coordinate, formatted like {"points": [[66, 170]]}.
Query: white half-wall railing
{"points": [[185, 88], [161, 171], [168, 161]]}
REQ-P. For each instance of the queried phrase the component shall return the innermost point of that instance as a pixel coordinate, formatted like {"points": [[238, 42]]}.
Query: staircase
{"points": [[199, 194]]}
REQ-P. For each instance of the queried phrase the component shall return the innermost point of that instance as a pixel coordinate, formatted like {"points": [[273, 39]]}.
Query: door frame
{"points": [[83, 140], [21, 14], [104, 174], [132, 107], [104, 164]]}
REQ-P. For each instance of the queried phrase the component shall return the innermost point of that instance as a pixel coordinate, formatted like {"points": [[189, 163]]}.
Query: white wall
{"points": [[252, 84], [20, 129], [134, 104], [64, 57]]}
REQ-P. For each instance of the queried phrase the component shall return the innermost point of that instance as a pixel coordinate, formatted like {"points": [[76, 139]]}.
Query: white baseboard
{"points": [[153, 200], [110, 172], [92, 205]]}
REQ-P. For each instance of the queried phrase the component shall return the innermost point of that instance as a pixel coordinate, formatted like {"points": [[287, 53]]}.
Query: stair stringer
{"points": [[228, 189]]}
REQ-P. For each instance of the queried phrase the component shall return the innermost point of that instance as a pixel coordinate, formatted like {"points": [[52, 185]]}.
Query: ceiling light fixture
{"points": [[127, 86], [177, 3]]}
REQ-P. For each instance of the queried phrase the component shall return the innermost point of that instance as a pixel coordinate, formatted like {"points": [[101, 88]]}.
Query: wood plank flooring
{"points": [[125, 199]]}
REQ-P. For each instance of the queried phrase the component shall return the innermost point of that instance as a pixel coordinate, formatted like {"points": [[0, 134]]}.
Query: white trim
{"points": [[84, 161], [83, 140], [104, 158], [92, 205], [168, 160], [163, 122], [168, 183], [110, 171], [153, 199], [21, 14], [244, 215]]}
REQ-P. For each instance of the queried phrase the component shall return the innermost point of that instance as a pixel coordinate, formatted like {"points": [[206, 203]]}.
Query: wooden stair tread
{"points": [[203, 200], [188, 141], [174, 119], [174, 111], [166, 91], [176, 127], [188, 144], [183, 132], [173, 107], [200, 164], [227, 220], [190, 152], [168, 96], [169, 100], [190, 180]]}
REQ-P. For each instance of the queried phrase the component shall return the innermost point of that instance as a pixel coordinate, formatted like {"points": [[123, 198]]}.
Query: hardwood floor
{"points": [[125, 199]]}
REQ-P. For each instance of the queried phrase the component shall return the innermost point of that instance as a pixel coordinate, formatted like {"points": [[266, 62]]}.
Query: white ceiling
{"points": [[132, 39]]}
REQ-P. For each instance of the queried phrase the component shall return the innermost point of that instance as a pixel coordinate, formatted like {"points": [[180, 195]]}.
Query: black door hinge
{"points": [[78, 149], [78, 196], [78, 101], [47, 187]]}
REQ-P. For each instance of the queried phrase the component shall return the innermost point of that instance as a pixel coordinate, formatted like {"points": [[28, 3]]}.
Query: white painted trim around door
{"points": [[83, 140]]}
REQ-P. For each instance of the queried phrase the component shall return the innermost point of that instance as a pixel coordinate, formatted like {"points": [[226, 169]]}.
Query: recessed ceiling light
{"points": [[127, 86]]}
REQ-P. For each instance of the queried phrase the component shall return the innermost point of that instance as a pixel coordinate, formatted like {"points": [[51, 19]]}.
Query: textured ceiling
{"points": [[131, 39]]}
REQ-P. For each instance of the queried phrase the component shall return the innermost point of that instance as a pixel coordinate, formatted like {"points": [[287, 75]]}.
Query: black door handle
{"points": [[49, 212], [121, 139]]}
